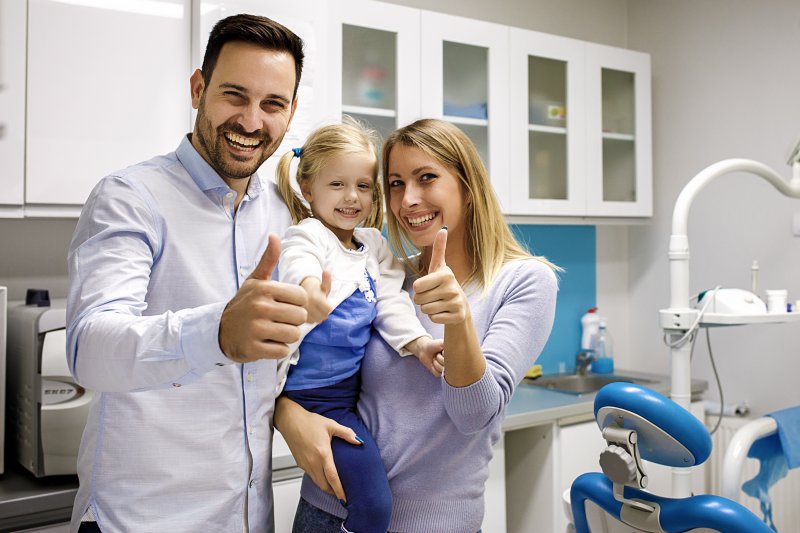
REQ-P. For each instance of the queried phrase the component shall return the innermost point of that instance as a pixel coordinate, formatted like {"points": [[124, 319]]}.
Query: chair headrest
{"points": [[667, 433]]}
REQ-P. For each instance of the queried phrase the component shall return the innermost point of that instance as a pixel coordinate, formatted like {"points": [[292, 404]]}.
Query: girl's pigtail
{"points": [[294, 201]]}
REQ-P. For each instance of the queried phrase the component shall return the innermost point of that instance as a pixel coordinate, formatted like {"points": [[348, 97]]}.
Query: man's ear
{"points": [[197, 85]]}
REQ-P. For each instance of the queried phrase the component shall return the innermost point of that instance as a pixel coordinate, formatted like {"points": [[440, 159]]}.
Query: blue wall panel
{"points": [[573, 248]]}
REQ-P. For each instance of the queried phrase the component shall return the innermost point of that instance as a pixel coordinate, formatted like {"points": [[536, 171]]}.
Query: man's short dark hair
{"points": [[256, 30]]}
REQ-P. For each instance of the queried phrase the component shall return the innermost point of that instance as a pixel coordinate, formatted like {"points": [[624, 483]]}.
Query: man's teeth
{"points": [[243, 141], [416, 221]]}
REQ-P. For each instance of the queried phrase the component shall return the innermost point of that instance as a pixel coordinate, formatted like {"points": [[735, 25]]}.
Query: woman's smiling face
{"points": [[425, 195]]}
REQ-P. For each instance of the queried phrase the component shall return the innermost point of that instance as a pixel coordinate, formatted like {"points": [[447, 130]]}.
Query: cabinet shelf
{"points": [[467, 121], [547, 129], [619, 136], [369, 111], [724, 319]]}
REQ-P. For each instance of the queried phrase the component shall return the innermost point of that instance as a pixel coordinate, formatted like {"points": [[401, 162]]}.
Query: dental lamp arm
{"points": [[679, 241]]}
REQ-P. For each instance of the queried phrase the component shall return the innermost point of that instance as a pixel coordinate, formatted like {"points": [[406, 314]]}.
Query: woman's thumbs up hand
{"points": [[438, 294]]}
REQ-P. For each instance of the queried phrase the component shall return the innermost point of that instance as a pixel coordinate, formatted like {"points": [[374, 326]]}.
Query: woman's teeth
{"points": [[417, 221], [244, 142]]}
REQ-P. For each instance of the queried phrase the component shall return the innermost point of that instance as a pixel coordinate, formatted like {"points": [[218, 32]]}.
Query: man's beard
{"points": [[215, 147]]}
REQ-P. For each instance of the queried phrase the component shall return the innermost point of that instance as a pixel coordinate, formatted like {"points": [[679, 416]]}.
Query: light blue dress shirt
{"points": [[178, 437]]}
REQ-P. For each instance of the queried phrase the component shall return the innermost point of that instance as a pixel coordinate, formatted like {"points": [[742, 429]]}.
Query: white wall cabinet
{"points": [[286, 495], [563, 125], [465, 73], [12, 106], [580, 128], [618, 133], [107, 86], [374, 52]]}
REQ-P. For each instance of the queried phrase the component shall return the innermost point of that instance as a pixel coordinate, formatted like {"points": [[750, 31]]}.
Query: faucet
{"points": [[582, 361]]}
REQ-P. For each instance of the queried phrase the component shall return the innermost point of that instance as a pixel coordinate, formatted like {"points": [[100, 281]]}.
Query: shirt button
{"points": [[252, 483], [243, 271], [228, 195], [249, 376], [176, 384], [250, 430]]}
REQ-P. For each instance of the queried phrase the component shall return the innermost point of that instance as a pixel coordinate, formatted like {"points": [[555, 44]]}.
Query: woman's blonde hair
{"points": [[325, 143], [489, 241]]}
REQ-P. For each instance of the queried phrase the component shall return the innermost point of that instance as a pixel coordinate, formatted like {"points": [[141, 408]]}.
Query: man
{"points": [[173, 317]]}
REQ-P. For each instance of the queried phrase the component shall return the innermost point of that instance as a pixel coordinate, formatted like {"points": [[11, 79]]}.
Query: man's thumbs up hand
{"points": [[263, 317]]}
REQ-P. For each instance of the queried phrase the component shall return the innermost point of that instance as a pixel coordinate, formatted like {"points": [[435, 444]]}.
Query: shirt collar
{"points": [[204, 175]]}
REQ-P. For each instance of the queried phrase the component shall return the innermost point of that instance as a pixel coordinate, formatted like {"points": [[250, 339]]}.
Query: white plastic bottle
{"points": [[604, 351], [590, 323]]}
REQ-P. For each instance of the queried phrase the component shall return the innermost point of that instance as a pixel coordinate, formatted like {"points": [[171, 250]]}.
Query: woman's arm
{"points": [[440, 296], [481, 374], [309, 438]]}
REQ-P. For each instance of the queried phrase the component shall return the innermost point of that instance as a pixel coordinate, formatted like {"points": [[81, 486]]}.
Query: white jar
{"points": [[776, 300]]}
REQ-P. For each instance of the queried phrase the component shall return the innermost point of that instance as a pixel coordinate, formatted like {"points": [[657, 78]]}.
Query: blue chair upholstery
{"points": [[639, 423]]}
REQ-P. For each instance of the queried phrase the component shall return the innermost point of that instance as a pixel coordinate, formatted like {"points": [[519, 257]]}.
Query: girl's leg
{"points": [[363, 476]]}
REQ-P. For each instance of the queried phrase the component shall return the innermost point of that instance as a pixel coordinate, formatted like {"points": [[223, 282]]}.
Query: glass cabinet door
{"points": [[547, 117], [374, 56], [618, 132], [465, 77]]}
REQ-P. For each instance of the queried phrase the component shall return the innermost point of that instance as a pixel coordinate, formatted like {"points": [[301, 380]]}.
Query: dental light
{"points": [[680, 318]]}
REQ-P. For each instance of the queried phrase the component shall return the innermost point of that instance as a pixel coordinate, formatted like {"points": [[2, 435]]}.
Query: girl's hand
{"points": [[317, 292], [429, 353], [439, 294], [309, 438]]}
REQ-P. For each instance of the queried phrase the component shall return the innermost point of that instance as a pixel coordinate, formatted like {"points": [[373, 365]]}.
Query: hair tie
{"points": [[297, 151]]}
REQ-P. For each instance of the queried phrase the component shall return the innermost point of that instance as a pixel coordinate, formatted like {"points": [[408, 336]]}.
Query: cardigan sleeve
{"points": [[518, 327]]}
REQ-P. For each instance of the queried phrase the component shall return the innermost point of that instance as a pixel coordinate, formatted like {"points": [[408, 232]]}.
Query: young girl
{"points": [[353, 283]]}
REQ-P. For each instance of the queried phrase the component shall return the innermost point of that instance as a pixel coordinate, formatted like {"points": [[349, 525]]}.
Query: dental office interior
{"points": [[713, 80]]}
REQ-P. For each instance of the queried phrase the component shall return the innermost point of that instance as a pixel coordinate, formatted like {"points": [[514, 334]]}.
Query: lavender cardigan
{"points": [[436, 440]]}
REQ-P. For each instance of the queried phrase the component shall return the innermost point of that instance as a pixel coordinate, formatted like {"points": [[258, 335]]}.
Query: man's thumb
{"points": [[268, 260], [439, 247]]}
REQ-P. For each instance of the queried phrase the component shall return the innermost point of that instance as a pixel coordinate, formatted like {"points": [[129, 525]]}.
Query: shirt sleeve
{"points": [[396, 318], [111, 345], [517, 332]]}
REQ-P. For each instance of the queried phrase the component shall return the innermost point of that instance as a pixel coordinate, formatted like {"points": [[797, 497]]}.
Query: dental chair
{"points": [[638, 423]]}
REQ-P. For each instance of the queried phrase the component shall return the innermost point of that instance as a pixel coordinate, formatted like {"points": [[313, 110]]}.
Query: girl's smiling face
{"points": [[340, 196], [425, 195]]}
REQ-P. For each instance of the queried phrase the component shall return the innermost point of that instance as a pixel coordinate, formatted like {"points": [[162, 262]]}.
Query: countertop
{"points": [[29, 502], [532, 405]]}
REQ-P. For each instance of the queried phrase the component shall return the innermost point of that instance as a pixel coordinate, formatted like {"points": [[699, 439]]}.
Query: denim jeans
{"points": [[309, 519]]}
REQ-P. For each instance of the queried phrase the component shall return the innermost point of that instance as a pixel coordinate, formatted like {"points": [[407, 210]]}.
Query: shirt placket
{"points": [[244, 263]]}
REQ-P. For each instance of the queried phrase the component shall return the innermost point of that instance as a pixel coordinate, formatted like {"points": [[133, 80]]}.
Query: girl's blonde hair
{"points": [[327, 142], [489, 241]]}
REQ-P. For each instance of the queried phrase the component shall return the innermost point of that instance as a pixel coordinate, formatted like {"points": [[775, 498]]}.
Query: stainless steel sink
{"points": [[581, 384]]}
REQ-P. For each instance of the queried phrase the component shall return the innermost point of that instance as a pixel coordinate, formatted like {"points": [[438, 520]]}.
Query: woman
{"points": [[492, 302]]}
